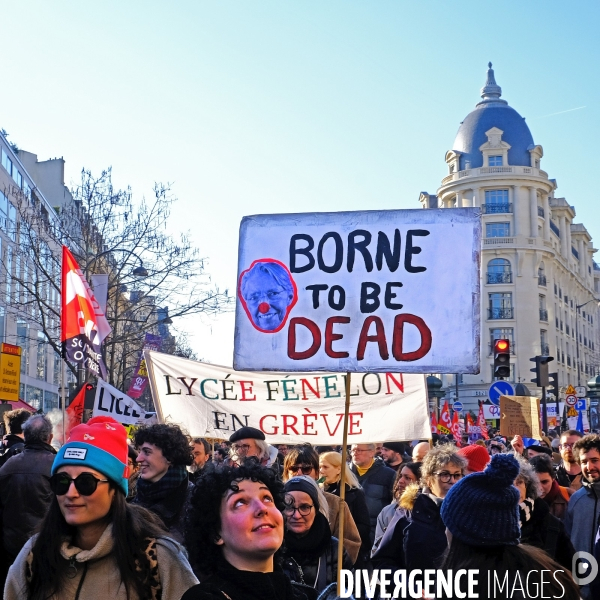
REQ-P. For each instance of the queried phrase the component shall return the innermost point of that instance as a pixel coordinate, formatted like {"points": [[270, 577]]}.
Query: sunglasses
{"points": [[85, 483], [306, 470]]}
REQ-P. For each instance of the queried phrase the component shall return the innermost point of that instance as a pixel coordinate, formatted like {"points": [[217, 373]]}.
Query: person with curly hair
{"points": [[234, 533], [163, 486], [92, 544]]}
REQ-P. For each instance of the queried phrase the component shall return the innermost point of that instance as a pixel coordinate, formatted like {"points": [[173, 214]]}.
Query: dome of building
{"points": [[492, 111]]}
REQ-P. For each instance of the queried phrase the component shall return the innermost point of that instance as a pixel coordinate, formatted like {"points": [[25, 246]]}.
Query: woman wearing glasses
{"points": [[416, 538], [304, 460], [92, 544], [311, 552]]}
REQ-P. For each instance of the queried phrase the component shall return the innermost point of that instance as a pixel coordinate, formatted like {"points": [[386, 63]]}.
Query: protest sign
{"points": [[359, 292], [520, 415], [111, 402], [140, 377], [213, 401]]}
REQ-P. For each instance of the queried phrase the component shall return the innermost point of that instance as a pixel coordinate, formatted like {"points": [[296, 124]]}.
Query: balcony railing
{"points": [[540, 211], [543, 315], [494, 209], [500, 313], [492, 241], [499, 277], [542, 280], [545, 349], [554, 228]]}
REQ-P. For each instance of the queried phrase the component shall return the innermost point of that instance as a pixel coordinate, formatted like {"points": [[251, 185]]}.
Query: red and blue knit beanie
{"points": [[100, 444]]}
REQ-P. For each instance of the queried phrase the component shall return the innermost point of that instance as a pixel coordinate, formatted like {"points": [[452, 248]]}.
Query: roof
{"points": [[492, 111]]}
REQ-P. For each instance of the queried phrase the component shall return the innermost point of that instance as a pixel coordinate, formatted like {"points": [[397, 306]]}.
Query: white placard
{"points": [[212, 401], [111, 402], [361, 291]]}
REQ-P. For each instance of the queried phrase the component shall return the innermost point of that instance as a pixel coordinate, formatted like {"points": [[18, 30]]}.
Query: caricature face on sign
{"points": [[267, 293]]}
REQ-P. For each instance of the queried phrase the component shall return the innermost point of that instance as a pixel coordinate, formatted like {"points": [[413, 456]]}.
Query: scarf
{"points": [[525, 511], [313, 543], [554, 493], [150, 492]]}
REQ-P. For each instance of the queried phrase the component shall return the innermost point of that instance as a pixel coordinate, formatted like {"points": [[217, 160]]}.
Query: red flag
{"points": [[456, 429], [433, 423], [481, 423], [445, 423], [75, 411], [83, 324], [469, 422]]}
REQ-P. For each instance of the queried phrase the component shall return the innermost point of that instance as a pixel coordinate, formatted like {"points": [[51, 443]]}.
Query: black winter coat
{"points": [[377, 483], [425, 535], [248, 585], [543, 530], [357, 504], [302, 555], [171, 509], [25, 494]]}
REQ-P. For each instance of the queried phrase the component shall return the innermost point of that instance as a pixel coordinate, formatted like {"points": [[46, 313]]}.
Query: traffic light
{"points": [[553, 389], [541, 370], [501, 358], [90, 395]]}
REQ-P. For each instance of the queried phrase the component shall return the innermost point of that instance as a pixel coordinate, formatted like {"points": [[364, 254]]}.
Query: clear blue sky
{"points": [[261, 107]]}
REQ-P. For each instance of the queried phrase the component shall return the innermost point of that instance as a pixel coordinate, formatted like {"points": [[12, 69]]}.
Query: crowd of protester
{"points": [[169, 516]]}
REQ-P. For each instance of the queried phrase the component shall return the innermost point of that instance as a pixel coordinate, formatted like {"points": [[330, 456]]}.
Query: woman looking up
{"points": [[234, 530], [92, 544]]}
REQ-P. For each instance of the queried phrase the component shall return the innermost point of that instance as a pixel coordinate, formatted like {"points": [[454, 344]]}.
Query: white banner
{"points": [[384, 291], [212, 401], [111, 402]]}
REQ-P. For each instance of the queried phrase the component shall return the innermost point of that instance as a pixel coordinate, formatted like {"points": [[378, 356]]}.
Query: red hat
{"points": [[477, 457], [101, 444]]}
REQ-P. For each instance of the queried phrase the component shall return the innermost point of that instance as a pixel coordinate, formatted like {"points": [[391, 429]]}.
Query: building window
{"points": [[495, 161], [496, 201], [498, 271], [8, 267], [543, 309], [497, 230], [56, 370], [50, 401], [42, 357], [544, 342], [500, 306], [541, 275], [23, 341], [6, 162], [11, 227], [35, 397], [16, 175]]}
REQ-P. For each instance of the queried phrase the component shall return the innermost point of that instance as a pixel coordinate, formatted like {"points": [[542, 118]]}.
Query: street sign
{"points": [[10, 367], [581, 391], [571, 400], [572, 412], [570, 391], [457, 406], [500, 388], [581, 404]]}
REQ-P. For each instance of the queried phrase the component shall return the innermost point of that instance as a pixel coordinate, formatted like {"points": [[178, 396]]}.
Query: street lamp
{"points": [[577, 335]]}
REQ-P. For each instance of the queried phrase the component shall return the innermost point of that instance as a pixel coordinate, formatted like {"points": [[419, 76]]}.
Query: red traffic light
{"points": [[502, 346]]}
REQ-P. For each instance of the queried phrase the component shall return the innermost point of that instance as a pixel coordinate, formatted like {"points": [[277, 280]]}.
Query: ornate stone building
{"points": [[540, 285]]}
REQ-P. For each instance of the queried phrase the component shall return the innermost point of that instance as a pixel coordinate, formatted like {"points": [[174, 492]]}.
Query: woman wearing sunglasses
{"points": [[311, 552], [92, 544], [304, 460]]}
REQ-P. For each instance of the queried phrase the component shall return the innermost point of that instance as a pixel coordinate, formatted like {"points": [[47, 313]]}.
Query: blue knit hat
{"points": [[483, 508], [101, 444]]}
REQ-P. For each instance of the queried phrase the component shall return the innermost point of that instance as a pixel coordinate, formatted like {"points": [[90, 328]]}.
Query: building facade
{"points": [[540, 285]]}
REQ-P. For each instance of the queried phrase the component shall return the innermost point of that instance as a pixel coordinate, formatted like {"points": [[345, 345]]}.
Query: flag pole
{"points": [[63, 400], [343, 487]]}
